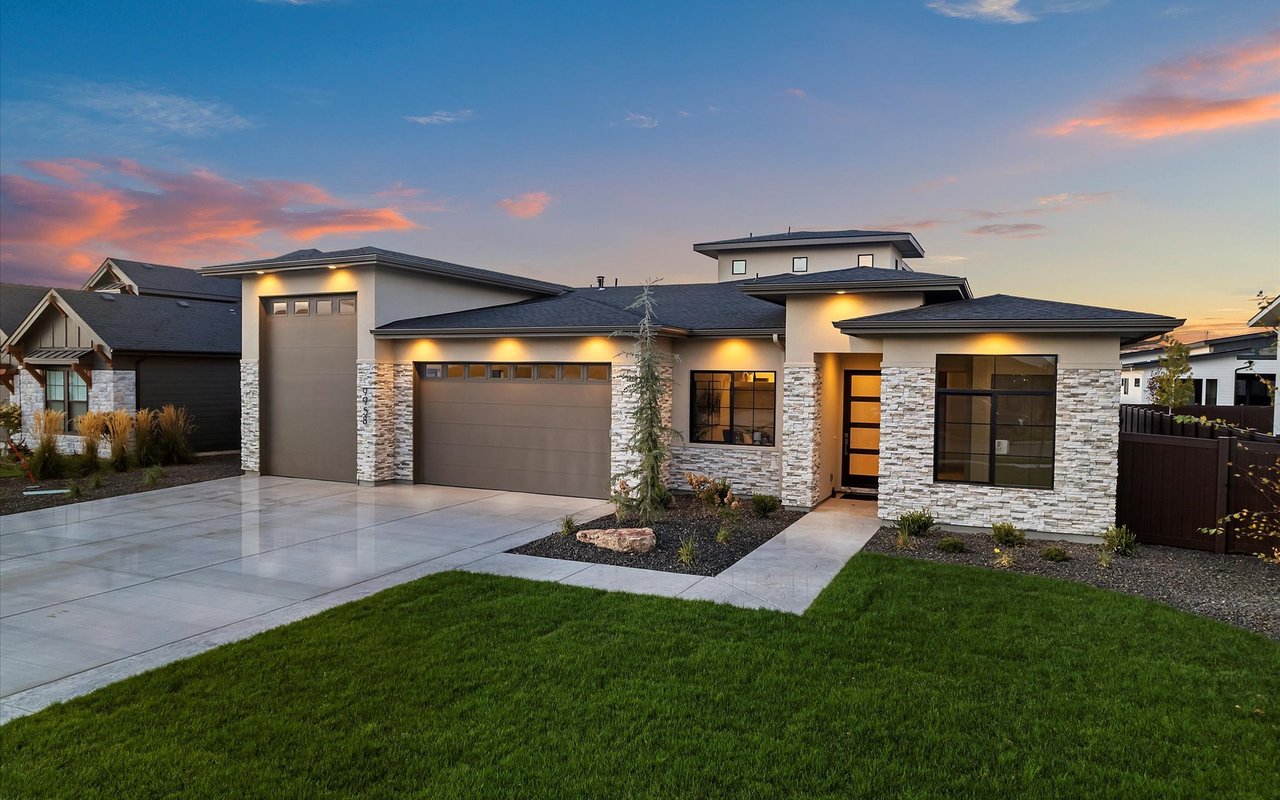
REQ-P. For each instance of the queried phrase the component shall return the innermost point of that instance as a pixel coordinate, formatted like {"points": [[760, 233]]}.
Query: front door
{"points": [[861, 428]]}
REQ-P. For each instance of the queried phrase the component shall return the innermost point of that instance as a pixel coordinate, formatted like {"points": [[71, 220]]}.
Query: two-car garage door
{"points": [[540, 428]]}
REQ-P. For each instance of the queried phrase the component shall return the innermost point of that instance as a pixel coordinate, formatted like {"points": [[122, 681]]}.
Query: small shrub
{"points": [[173, 428], [1055, 554], [722, 535], [1006, 534], [1104, 558], [46, 462], [765, 504], [688, 550], [625, 507], [1004, 559], [951, 544], [95, 480], [914, 523], [119, 426], [74, 491], [11, 418], [153, 477], [145, 449], [566, 525], [902, 540], [1119, 540], [91, 426], [712, 492]]}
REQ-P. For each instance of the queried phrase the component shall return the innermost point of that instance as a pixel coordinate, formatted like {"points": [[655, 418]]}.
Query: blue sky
{"points": [[1122, 153]]}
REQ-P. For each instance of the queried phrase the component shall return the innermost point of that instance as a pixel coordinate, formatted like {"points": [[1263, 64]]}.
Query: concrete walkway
{"points": [[784, 574]]}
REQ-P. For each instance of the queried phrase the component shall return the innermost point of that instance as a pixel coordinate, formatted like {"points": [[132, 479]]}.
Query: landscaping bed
{"points": [[688, 518], [114, 484], [1237, 589]]}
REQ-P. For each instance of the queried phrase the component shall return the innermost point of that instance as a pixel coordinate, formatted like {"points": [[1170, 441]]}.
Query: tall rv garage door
{"points": [[540, 428], [308, 380]]}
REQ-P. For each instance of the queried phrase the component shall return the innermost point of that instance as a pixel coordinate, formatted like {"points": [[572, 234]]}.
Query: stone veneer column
{"points": [[30, 399], [404, 382], [375, 422], [250, 412], [114, 389], [623, 416], [801, 434], [1086, 447]]}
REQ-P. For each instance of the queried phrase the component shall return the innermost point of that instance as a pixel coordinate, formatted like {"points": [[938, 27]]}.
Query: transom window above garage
{"points": [[503, 371], [316, 306]]}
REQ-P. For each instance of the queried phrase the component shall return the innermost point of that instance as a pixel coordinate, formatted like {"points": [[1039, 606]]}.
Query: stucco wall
{"points": [[809, 318], [777, 260]]}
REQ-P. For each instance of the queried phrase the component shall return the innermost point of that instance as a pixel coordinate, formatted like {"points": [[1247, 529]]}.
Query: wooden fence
{"points": [[1256, 418], [1153, 419], [1176, 479]]}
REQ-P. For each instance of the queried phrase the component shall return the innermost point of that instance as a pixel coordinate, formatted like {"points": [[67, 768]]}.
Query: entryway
{"points": [[861, 434]]}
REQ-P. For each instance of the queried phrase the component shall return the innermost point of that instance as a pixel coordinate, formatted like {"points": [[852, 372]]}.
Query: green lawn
{"points": [[905, 679]]}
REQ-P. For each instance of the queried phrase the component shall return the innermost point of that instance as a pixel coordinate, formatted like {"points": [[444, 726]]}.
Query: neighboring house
{"points": [[1269, 317], [16, 302], [1227, 371], [815, 363], [146, 335]]}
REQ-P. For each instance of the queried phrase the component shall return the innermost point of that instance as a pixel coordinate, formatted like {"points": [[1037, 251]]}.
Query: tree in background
{"points": [[642, 491], [1169, 386]]}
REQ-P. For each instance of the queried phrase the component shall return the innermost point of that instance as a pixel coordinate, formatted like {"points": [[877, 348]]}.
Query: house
{"points": [[1225, 371], [815, 363], [16, 302], [1269, 317], [138, 335]]}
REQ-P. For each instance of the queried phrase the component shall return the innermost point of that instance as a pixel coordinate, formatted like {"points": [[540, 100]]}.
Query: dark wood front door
{"points": [[861, 440]]}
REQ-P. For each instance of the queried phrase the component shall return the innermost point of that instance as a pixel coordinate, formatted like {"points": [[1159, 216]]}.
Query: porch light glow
{"points": [[262, 272]]}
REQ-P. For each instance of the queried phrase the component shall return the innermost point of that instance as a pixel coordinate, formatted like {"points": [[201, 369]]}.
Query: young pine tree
{"points": [[1169, 386]]}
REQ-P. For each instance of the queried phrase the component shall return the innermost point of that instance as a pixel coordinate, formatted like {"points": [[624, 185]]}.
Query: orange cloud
{"points": [[120, 207], [1155, 117], [527, 205]]}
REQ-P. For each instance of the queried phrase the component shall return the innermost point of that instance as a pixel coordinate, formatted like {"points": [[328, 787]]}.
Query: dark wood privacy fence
{"points": [[1177, 478], [1257, 418]]}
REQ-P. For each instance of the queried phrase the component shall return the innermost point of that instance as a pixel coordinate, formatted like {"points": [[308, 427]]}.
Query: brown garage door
{"points": [[540, 428], [308, 377]]}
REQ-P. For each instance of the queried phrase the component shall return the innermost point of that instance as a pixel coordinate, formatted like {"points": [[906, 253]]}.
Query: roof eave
{"points": [[1128, 332], [713, 249], [515, 332], [1268, 316], [765, 290]]}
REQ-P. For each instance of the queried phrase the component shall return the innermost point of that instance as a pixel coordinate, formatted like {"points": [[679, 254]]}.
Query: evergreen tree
{"points": [[1169, 386]]}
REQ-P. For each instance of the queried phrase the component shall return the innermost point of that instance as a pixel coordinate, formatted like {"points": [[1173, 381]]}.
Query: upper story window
{"points": [[800, 264], [739, 266], [732, 407], [66, 391], [995, 420], [866, 260]]}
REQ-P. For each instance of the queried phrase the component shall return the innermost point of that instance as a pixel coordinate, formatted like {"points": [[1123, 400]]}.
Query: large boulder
{"points": [[624, 540]]}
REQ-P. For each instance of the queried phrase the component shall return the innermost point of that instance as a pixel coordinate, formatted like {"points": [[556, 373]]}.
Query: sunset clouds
{"points": [[1228, 87], [78, 211], [527, 205]]}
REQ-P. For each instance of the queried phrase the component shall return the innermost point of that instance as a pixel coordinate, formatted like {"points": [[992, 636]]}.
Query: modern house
{"points": [[814, 363], [138, 336], [1226, 371], [1269, 317]]}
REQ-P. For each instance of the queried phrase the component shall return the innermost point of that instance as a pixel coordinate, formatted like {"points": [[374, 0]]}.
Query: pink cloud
{"points": [[1228, 87], [1017, 230], [120, 207], [527, 205], [797, 92]]}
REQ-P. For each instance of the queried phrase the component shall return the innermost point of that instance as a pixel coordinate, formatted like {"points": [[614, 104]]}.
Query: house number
{"points": [[364, 397]]}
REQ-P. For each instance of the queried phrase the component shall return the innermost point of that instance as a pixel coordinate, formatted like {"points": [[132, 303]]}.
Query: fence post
{"points": [[1226, 447]]}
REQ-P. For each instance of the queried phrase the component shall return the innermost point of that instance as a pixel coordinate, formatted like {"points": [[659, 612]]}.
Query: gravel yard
{"points": [[113, 484], [686, 517], [1238, 589]]}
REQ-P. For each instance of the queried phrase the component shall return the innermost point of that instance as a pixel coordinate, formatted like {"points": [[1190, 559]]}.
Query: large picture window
{"points": [[66, 391], [733, 407], [995, 420]]}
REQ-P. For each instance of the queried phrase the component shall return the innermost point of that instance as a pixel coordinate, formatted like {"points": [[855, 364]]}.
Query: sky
{"points": [[1124, 154]]}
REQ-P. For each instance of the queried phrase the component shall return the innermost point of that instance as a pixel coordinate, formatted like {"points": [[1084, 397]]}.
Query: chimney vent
{"points": [[599, 281]]}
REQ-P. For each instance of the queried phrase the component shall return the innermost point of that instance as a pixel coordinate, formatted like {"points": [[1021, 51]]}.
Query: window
{"points": [[995, 420], [430, 371], [454, 372], [1137, 382], [732, 407], [500, 372], [522, 372], [867, 260], [739, 266], [324, 308], [301, 308], [477, 372], [571, 372], [800, 264], [1211, 392], [597, 372], [548, 372], [347, 305], [590, 373], [1124, 385], [66, 391], [279, 308]]}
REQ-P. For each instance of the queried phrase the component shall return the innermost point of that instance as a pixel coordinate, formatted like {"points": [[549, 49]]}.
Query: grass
{"points": [[905, 679]]}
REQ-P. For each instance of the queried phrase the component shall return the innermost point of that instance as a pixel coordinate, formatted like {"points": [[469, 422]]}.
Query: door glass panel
{"points": [[864, 438], [864, 385], [864, 412], [864, 464]]}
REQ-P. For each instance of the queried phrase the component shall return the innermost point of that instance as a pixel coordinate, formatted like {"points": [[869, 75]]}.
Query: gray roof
{"points": [[680, 308], [376, 255], [158, 324], [860, 279], [904, 240], [161, 279], [1002, 312], [16, 302]]}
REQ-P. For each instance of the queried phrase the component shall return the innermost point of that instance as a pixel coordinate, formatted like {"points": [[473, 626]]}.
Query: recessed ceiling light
{"points": [[262, 272], [333, 266]]}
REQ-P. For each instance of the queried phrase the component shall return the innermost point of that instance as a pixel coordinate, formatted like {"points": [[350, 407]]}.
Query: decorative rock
{"points": [[624, 540]]}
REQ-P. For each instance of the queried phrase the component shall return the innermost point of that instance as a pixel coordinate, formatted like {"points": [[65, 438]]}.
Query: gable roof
{"points": [[167, 281], [16, 302], [1006, 313], [904, 241], [312, 258], [1268, 316], [861, 279], [146, 324], [682, 309]]}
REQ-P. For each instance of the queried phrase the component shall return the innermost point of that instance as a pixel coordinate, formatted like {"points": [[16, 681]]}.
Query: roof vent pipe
{"points": [[599, 281]]}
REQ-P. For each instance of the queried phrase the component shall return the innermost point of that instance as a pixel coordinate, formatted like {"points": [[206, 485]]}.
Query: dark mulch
{"points": [[13, 501], [1237, 589], [687, 517]]}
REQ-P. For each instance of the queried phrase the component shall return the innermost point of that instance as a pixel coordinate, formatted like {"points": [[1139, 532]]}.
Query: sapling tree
{"points": [[642, 490], [1169, 386]]}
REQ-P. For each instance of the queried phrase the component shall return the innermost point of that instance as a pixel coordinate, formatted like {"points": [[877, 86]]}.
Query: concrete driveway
{"points": [[97, 591]]}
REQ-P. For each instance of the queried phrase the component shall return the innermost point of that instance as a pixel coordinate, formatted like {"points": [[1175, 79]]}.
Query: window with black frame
{"points": [[66, 391], [995, 420], [732, 407]]}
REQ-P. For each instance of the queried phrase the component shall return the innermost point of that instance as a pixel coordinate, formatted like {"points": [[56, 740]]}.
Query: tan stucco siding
{"points": [[1073, 351], [777, 260], [754, 355], [809, 318]]}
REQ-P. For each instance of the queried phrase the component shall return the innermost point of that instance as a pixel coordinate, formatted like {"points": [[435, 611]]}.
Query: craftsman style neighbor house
{"points": [[814, 363], [134, 336]]}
